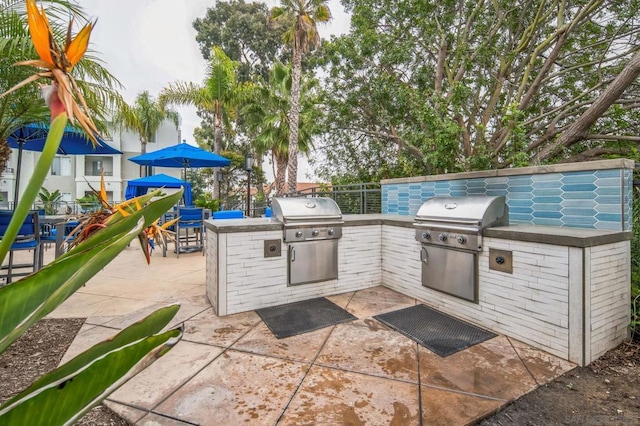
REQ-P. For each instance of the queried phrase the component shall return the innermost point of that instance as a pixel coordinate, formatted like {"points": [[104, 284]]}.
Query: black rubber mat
{"points": [[302, 317], [438, 332]]}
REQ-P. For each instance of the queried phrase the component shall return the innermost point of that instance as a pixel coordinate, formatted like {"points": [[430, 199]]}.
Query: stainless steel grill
{"points": [[312, 228], [450, 230], [457, 222], [307, 219]]}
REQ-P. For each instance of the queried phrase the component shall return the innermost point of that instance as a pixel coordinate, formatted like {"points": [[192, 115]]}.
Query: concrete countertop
{"points": [[226, 226], [559, 236], [555, 235]]}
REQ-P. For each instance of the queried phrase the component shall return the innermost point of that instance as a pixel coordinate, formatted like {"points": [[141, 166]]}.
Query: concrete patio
{"points": [[232, 370]]}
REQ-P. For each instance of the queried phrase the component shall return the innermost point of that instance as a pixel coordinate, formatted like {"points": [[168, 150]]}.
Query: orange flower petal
{"points": [[40, 31], [78, 46]]}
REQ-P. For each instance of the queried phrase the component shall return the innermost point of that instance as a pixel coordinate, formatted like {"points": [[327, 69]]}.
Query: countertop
{"points": [[269, 224], [555, 235]]}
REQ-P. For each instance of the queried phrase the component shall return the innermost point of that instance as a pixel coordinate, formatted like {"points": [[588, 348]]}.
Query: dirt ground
{"points": [[607, 392]]}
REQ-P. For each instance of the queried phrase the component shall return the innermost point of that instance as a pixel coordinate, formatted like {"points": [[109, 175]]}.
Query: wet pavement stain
{"points": [[329, 381], [225, 331], [374, 325], [405, 363], [402, 415]]}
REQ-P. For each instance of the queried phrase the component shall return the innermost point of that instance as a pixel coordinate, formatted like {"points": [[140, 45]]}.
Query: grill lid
{"points": [[478, 210], [302, 210]]}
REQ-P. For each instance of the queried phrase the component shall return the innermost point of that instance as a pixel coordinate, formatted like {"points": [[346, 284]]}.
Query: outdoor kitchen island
{"points": [[563, 290]]}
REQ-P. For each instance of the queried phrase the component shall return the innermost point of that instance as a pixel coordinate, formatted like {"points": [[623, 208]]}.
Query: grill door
{"points": [[313, 261], [450, 271]]}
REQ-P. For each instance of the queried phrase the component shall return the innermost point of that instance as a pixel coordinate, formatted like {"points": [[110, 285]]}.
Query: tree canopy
{"points": [[245, 33], [429, 87]]}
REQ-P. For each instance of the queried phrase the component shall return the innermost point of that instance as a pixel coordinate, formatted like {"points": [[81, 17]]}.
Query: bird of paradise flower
{"points": [[63, 94]]}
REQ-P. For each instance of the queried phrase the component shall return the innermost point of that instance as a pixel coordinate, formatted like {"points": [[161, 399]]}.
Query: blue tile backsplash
{"points": [[597, 199]]}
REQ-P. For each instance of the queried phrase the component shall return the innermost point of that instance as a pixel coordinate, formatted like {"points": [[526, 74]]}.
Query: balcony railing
{"points": [[92, 173]]}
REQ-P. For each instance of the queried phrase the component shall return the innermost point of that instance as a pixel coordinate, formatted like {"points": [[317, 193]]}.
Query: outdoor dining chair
{"points": [[28, 238], [189, 230], [49, 235]]}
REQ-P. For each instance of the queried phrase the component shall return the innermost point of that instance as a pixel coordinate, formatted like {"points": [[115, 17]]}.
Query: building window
{"points": [[61, 166], [96, 167]]}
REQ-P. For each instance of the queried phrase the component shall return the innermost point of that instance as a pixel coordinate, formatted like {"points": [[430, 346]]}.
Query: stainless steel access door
{"points": [[313, 261], [454, 272]]}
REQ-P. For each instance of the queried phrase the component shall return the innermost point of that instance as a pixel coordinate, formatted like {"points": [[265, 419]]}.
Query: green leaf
{"points": [[66, 399], [147, 326], [29, 299]]}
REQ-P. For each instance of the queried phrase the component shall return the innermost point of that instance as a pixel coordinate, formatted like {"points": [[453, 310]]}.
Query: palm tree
{"points": [[302, 35], [218, 97], [266, 117], [25, 105], [145, 117]]}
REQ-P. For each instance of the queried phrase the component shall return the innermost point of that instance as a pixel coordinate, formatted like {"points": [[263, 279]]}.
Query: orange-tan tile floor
{"points": [[231, 370]]}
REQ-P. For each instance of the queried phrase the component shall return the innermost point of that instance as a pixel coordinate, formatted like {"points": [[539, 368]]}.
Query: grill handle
{"points": [[449, 228], [424, 256]]}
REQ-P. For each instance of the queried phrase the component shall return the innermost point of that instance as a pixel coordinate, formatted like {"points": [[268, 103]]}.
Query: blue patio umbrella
{"points": [[32, 137], [181, 155], [140, 186]]}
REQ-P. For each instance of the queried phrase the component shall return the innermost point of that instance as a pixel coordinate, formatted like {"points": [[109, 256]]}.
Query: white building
{"points": [[73, 174]]}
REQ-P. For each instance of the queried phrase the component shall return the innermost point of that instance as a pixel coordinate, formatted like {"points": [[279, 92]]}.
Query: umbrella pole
{"points": [[17, 185]]}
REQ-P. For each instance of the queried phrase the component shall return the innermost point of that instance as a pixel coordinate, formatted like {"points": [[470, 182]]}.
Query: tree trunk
{"points": [[143, 150], [579, 129], [296, 74], [281, 170], [217, 143]]}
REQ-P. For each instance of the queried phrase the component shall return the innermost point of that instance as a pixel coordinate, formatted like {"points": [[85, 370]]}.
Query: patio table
{"points": [[59, 222]]}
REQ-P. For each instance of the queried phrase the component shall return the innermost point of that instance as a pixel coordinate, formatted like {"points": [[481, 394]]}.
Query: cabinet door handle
{"points": [[293, 253], [424, 256]]}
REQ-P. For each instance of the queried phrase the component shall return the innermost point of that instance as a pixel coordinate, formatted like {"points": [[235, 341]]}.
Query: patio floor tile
{"points": [[147, 391], [543, 366], [377, 300], [236, 388], [302, 347], [443, 407], [367, 346], [130, 413], [335, 397], [210, 329], [492, 369]]}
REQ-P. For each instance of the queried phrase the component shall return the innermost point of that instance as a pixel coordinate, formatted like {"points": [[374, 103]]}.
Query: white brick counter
{"points": [[569, 292]]}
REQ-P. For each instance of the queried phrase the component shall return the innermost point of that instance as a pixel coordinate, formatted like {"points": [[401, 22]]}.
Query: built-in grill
{"points": [[312, 228], [450, 230]]}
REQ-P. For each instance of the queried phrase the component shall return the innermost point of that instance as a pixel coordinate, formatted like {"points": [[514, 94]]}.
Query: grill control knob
{"points": [[442, 237], [426, 235], [298, 234], [461, 239], [331, 232], [315, 232]]}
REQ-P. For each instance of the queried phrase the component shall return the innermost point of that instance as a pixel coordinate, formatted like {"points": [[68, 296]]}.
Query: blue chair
{"points": [[228, 214], [49, 235], [28, 238], [190, 219]]}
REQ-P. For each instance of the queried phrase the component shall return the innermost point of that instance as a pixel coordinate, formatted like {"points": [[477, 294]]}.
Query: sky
{"points": [[148, 44]]}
